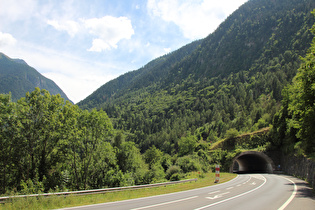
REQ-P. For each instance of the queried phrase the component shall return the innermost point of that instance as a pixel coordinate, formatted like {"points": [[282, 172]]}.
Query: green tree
{"points": [[41, 113], [153, 156], [187, 145], [71, 144], [231, 133], [9, 143], [95, 127], [131, 161]]}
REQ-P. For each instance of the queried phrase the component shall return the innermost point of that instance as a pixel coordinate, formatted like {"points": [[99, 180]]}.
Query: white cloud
{"points": [[167, 50], [83, 84], [17, 10], [108, 31], [71, 27], [6, 39], [195, 18], [98, 45]]}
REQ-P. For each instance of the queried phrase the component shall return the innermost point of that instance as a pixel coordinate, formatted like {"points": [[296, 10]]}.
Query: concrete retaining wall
{"points": [[300, 167]]}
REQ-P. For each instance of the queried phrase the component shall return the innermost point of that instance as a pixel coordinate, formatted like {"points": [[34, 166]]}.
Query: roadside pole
{"points": [[217, 174]]}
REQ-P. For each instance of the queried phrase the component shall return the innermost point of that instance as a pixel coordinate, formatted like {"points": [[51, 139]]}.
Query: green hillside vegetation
{"points": [[18, 78], [257, 140], [146, 75], [47, 144], [295, 122], [181, 113], [232, 80]]}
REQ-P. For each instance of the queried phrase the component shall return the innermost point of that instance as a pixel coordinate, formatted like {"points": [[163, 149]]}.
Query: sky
{"points": [[82, 44]]}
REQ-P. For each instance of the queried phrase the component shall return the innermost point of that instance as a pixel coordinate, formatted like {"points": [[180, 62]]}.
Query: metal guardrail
{"points": [[96, 191]]}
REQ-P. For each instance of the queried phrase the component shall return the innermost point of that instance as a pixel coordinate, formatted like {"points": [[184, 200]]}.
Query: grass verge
{"points": [[54, 202]]}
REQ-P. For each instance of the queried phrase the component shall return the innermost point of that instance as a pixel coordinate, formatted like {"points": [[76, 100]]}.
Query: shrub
{"points": [[172, 170], [175, 177], [231, 133], [189, 163]]}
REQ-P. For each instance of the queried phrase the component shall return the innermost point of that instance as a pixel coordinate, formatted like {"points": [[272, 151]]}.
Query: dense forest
{"points": [[160, 122], [232, 79], [47, 143]]}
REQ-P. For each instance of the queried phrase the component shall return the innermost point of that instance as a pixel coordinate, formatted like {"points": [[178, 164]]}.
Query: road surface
{"points": [[246, 191]]}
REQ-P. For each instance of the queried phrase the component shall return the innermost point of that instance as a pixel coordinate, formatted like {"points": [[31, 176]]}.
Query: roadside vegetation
{"points": [[54, 202]]}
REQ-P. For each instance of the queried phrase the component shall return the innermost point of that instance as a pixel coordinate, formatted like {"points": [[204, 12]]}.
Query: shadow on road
{"points": [[304, 190]]}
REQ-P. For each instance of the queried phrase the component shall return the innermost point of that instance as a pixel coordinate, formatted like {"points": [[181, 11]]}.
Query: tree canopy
{"points": [[296, 121]]}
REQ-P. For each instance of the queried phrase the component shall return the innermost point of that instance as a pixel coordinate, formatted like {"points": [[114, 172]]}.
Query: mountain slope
{"points": [[232, 79], [17, 77], [143, 77]]}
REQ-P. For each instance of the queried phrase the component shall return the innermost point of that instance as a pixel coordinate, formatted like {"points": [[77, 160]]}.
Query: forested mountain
{"points": [[143, 77], [17, 77], [170, 115], [232, 79]]}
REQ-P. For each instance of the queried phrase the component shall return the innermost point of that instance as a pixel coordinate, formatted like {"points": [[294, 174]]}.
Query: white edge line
{"points": [[213, 204], [291, 197], [161, 204]]}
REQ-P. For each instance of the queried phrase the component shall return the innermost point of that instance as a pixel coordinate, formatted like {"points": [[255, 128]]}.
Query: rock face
{"points": [[300, 167]]}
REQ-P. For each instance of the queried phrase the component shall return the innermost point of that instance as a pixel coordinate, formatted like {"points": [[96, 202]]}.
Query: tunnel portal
{"points": [[252, 162]]}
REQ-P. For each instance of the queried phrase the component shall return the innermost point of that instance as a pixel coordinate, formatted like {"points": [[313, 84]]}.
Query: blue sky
{"points": [[82, 44]]}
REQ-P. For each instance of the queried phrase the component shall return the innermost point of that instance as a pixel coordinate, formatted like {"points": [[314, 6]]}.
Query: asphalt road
{"points": [[246, 191]]}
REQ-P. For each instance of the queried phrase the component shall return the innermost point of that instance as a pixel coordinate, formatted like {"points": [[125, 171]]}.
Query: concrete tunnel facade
{"points": [[252, 162]]}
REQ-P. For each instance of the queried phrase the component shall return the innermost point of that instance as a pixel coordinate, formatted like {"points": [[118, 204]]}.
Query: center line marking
{"points": [[161, 204], [213, 192]]}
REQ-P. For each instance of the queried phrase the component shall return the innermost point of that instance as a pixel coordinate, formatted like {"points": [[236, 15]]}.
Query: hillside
{"points": [[134, 80], [17, 77], [232, 79]]}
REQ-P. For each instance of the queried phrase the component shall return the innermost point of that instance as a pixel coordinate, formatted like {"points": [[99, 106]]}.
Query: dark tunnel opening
{"points": [[252, 162]]}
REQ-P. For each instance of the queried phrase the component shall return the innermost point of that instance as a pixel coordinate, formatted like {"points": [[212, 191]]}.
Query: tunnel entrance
{"points": [[252, 162]]}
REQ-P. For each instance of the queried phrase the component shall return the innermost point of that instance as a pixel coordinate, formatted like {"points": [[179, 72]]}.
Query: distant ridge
{"points": [[17, 77]]}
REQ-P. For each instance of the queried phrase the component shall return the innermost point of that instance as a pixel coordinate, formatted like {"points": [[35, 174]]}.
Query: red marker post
{"points": [[217, 174]]}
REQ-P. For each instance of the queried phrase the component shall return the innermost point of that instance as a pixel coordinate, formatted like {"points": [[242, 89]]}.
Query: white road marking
{"points": [[217, 196], [213, 204], [229, 188], [250, 177], [291, 197], [258, 176], [212, 198], [213, 192], [161, 204], [238, 185]]}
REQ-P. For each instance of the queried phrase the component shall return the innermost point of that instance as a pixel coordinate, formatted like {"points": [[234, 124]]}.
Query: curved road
{"points": [[247, 191]]}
